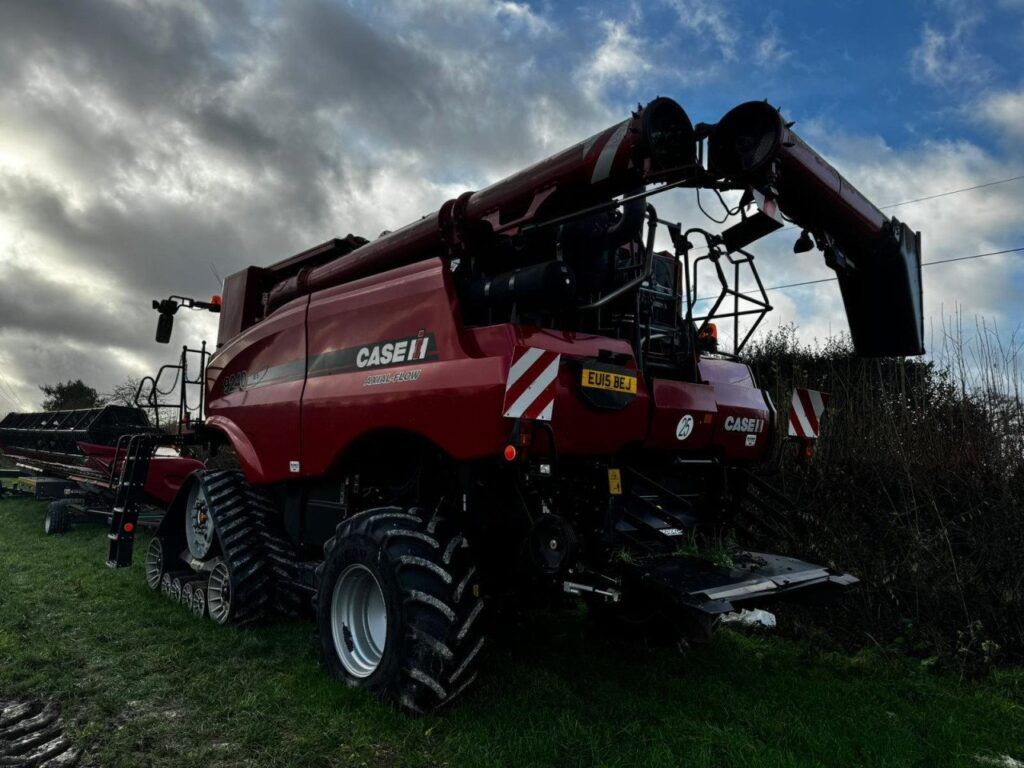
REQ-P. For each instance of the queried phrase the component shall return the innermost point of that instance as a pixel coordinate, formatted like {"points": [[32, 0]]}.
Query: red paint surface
{"points": [[166, 473], [456, 401]]}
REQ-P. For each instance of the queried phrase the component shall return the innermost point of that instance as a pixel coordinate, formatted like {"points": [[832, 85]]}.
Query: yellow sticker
{"points": [[615, 482], [613, 382]]}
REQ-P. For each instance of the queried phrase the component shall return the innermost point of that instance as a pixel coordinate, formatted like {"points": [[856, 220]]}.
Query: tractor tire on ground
{"points": [[58, 517], [398, 607]]}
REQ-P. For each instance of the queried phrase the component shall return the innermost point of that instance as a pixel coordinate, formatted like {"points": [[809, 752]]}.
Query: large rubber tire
{"points": [[434, 613], [58, 517]]}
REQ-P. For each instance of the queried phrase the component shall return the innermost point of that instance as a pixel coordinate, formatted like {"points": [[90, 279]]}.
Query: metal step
{"points": [[755, 578]]}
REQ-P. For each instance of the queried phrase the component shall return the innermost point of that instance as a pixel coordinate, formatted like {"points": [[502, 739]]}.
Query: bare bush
{"points": [[917, 487]]}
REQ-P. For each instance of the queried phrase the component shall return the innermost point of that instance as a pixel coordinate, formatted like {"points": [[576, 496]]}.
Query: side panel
{"points": [[385, 353], [254, 385], [683, 417], [746, 419]]}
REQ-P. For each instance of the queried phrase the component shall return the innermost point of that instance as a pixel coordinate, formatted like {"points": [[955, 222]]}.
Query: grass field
{"points": [[143, 683]]}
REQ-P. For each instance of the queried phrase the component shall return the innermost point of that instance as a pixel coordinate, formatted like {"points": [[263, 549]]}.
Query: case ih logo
{"points": [[739, 424], [394, 352], [420, 348]]}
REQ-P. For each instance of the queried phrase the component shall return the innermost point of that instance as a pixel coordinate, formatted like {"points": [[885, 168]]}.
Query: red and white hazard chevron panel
{"points": [[530, 390], [805, 413]]}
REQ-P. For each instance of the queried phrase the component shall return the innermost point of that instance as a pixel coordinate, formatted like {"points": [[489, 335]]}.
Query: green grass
{"points": [[144, 683]]}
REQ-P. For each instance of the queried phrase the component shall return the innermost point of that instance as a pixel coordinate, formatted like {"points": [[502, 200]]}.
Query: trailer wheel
{"points": [[58, 517], [398, 608]]}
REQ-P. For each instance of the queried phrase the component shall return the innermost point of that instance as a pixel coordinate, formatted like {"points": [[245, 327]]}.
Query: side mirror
{"points": [[163, 328], [166, 308]]}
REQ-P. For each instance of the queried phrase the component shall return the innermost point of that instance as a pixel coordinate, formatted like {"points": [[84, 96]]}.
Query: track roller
{"points": [[155, 563], [198, 604], [175, 591]]}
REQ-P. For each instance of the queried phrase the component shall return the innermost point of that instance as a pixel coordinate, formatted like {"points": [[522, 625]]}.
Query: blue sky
{"points": [[150, 147]]}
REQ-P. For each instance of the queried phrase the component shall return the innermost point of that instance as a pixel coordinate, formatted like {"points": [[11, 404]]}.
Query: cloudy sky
{"points": [[150, 148]]}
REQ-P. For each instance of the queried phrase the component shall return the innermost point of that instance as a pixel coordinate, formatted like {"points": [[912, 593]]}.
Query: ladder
{"points": [[128, 497]]}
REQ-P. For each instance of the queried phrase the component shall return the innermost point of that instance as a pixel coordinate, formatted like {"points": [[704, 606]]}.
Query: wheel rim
{"points": [[154, 564], [359, 620], [199, 530], [218, 594], [48, 521]]}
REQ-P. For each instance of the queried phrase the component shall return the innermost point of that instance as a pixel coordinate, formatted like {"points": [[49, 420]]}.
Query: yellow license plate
{"points": [[613, 382]]}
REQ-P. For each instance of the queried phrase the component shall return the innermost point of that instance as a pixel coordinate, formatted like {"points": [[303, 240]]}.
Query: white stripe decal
{"points": [[538, 385], [546, 414], [522, 365], [798, 410], [603, 167], [817, 403]]}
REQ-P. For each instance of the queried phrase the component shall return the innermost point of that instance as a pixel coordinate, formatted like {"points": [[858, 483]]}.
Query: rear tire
{"points": [[58, 517], [398, 608]]}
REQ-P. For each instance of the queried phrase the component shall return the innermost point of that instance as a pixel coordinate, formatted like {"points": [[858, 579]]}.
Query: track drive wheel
{"points": [[58, 517], [398, 607]]}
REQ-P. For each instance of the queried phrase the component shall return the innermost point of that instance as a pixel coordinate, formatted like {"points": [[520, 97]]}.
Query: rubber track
{"points": [[279, 553], [443, 615], [241, 543], [31, 735]]}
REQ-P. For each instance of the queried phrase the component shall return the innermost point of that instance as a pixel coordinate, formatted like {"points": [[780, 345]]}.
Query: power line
{"points": [[923, 264], [954, 191], [908, 202]]}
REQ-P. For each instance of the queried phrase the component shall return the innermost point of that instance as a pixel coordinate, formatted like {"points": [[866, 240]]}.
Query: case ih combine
{"points": [[519, 392]]}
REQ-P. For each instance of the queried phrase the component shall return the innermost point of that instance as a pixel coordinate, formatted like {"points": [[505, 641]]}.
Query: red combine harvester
{"points": [[522, 391]]}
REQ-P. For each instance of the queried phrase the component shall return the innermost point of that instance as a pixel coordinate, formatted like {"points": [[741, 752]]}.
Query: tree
{"points": [[124, 393], [68, 395]]}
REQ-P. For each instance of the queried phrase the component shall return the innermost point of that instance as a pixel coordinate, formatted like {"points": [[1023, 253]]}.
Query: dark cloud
{"points": [[146, 146], [164, 143]]}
